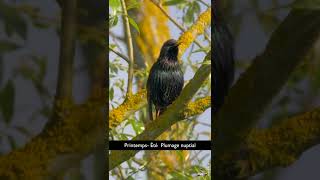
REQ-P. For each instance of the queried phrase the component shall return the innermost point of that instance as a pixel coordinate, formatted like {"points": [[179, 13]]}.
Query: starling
{"points": [[165, 80], [223, 57]]}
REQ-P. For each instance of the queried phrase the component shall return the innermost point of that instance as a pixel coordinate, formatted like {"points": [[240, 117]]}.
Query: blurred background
{"points": [[29, 56], [252, 22]]}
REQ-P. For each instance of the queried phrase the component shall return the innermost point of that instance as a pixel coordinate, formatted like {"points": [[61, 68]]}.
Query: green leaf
{"points": [[188, 18], [206, 49], [111, 94], [137, 126], [134, 24], [172, 2], [41, 63], [112, 46], [196, 7], [7, 46], [7, 97], [13, 21], [133, 4], [115, 4], [113, 21]]}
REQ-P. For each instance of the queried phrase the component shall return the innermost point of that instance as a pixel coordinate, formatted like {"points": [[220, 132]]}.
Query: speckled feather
{"points": [[165, 81]]}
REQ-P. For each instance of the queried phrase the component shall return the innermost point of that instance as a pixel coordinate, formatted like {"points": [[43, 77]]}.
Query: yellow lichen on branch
{"points": [[197, 107], [301, 131], [33, 161], [289, 139], [132, 104], [203, 21], [135, 102]]}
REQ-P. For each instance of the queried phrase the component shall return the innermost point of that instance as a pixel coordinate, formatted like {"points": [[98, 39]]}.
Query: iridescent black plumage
{"points": [[165, 80], [223, 58]]}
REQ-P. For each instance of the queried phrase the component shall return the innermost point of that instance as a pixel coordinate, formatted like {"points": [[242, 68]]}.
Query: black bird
{"points": [[223, 60], [165, 80]]}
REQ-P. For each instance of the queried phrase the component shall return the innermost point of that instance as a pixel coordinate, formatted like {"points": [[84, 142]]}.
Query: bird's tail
{"points": [[149, 107]]}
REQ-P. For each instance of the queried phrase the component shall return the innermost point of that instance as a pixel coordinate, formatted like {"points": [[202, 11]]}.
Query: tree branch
{"points": [[56, 145], [264, 78], [289, 140], [120, 55], [67, 50], [171, 116], [174, 21], [204, 3], [130, 106], [130, 49], [196, 29], [137, 101]]}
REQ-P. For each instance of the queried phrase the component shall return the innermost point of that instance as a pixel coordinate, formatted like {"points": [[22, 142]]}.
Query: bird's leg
{"points": [[158, 111]]}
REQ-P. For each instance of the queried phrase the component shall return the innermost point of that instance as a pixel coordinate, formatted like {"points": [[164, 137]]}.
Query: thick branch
{"points": [[130, 106], [137, 101], [264, 149], [171, 116], [62, 143], [265, 77], [203, 21]]}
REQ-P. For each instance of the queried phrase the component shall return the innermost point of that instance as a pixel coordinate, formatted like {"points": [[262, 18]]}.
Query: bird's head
{"points": [[169, 50]]}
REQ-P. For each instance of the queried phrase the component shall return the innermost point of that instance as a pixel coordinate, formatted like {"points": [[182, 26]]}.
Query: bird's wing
{"points": [[149, 99], [149, 106]]}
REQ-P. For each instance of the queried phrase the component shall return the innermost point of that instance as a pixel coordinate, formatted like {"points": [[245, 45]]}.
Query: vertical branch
{"points": [[67, 50], [130, 48]]}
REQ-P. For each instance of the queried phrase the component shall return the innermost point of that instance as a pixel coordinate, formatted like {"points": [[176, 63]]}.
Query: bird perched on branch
{"points": [[223, 60], [165, 80]]}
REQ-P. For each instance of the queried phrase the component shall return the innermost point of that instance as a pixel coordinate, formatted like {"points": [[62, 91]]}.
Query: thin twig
{"points": [[174, 21], [204, 3], [120, 173], [116, 37], [120, 55], [130, 48], [206, 36]]}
